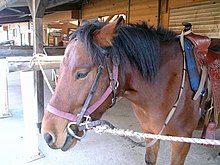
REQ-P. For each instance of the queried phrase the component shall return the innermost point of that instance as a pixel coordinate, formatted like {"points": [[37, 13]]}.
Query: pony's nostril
{"points": [[48, 138]]}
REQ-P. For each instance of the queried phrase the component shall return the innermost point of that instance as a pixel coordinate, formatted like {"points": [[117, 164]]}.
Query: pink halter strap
{"points": [[92, 108]]}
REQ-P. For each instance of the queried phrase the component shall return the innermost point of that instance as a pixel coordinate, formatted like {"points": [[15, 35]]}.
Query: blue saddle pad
{"points": [[193, 73]]}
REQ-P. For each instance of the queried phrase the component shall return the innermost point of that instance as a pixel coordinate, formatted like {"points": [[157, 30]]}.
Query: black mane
{"points": [[138, 43]]}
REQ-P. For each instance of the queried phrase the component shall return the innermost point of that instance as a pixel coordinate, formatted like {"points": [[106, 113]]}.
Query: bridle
{"points": [[86, 110]]}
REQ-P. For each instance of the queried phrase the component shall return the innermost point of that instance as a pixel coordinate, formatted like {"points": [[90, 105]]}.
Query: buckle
{"points": [[88, 118], [115, 85]]}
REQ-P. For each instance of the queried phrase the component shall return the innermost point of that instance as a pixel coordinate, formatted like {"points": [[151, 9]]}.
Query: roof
{"points": [[12, 11]]}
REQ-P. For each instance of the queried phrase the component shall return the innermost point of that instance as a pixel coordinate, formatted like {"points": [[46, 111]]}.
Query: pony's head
{"points": [[85, 74]]}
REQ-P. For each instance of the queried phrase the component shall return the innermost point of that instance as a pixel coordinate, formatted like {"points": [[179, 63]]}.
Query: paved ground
{"points": [[94, 149]]}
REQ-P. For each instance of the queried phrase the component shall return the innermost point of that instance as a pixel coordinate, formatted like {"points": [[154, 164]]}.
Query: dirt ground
{"points": [[94, 149]]}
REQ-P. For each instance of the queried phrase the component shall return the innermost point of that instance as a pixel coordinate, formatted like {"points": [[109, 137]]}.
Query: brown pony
{"points": [[142, 64]]}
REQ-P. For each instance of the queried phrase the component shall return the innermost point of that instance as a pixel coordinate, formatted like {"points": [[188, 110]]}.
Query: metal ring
{"points": [[116, 84], [72, 133]]}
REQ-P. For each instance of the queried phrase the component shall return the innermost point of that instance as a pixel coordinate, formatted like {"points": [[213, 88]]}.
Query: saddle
{"points": [[211, 60], [201, 44]]}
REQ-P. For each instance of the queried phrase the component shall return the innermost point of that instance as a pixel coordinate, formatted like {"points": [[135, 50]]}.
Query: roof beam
{"points": [[54, 3], [64, 7], [4, 4], [15, 14], [14, 11], [40, 7], [7, 13], [14, 20], [29, 3]]}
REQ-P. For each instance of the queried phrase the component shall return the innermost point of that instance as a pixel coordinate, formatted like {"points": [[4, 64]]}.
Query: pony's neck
{"points": [[149, 95]]}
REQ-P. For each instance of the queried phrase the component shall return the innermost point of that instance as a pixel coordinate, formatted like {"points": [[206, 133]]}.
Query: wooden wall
{"points": [[144, 10], [171, 4], [172, 13], [57, 16], [205, 18], [97, 8], [140, 10]]}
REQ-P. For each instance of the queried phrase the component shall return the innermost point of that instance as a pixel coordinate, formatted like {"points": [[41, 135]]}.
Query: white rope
{"points": [[131, 133], [42, 70]]}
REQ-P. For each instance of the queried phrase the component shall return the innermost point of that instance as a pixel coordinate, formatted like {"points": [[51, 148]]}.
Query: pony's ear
{"points": [[104, 36], [83, 22]]}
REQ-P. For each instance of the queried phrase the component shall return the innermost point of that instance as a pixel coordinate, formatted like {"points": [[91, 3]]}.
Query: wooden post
{"points": [[32, 84], [29, 34], [30, 109], [4, 112], [38, 48], [38, 8]]}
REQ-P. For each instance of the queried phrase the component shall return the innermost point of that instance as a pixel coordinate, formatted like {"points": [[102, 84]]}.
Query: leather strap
{"points": [[68, 116], [91, 109], [202, 82]]}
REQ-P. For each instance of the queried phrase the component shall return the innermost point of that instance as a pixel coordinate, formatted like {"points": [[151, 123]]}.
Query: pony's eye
{"points": [[81, 75]]}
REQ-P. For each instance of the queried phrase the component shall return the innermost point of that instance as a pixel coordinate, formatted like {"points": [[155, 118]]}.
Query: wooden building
{"points": [[203, 14]]}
